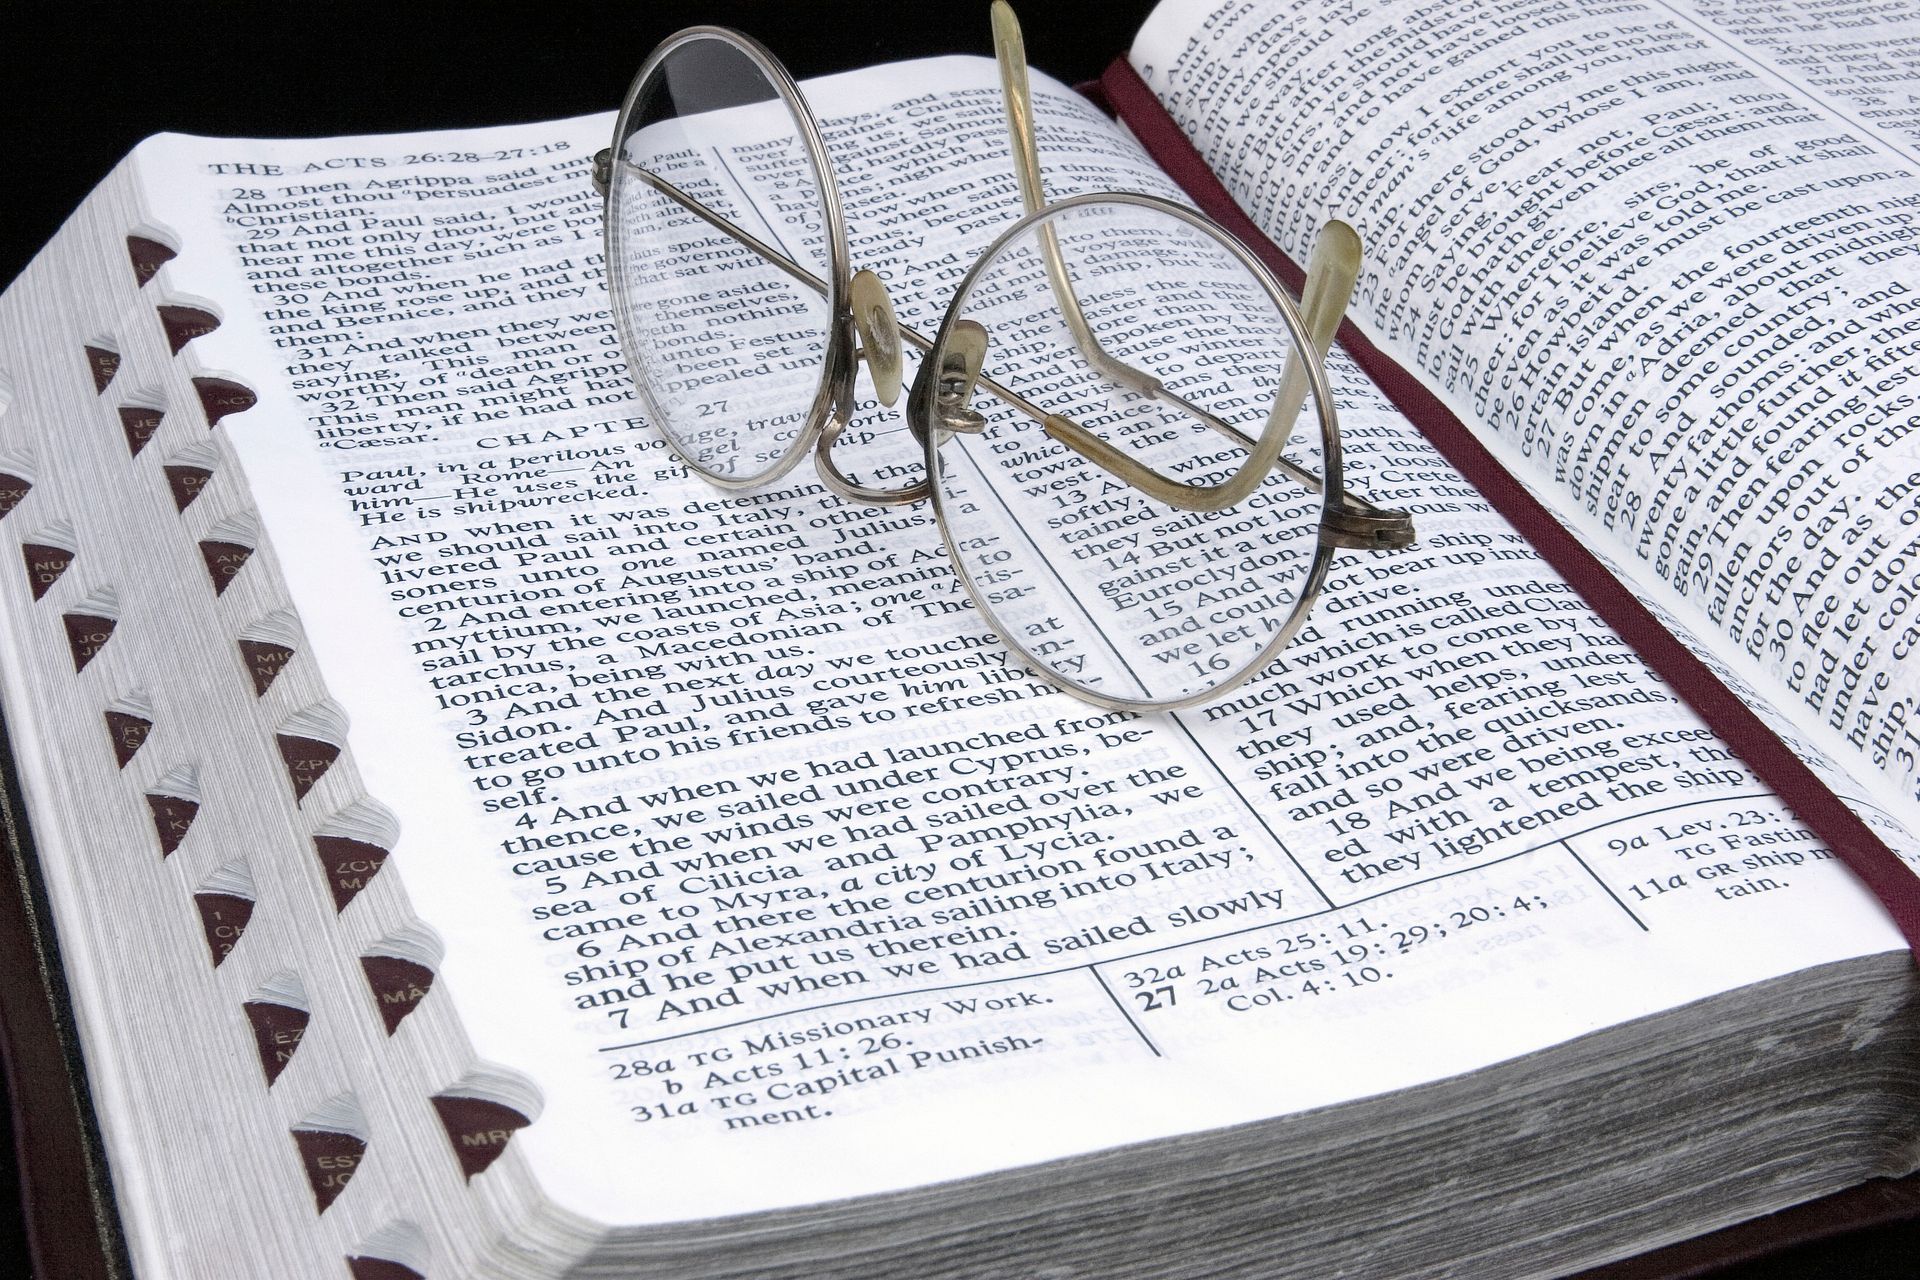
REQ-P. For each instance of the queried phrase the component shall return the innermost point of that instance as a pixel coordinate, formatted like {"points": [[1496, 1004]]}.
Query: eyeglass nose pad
{"points": [[941, 395], [959, 373], [879, 333]]}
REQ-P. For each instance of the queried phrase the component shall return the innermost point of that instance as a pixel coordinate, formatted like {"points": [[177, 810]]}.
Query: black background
{"points": [[81, 84]]}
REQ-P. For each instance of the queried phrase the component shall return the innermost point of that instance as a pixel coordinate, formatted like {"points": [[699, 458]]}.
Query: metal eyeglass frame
{"points": [[862, 328]]}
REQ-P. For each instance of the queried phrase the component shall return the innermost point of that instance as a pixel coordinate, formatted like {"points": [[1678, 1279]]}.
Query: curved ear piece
{"points": [[1331, 271], [1010, 50]]}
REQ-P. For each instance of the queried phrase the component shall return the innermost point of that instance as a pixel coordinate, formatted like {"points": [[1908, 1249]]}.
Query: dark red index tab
{"points": [[219, 397], [381, 1269], [478, 1129], [140, 422], [129, 734], [223, 917], [349, 864], [307, 761], [87, 635], [264, 662], [277, 1029], [103, 364], [45, 564], [330, 1160], [224, 562], [184, 324], [12, 489], [172, 817], [148, 257], [186, 482], [398, 987]]}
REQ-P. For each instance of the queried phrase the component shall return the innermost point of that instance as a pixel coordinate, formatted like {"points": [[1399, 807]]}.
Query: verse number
{"points": [[1149, 975], [640, 1069], [1157, 999]]}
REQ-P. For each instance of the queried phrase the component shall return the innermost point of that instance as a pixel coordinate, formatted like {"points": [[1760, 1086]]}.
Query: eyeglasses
{"points": [[1104, 415]]}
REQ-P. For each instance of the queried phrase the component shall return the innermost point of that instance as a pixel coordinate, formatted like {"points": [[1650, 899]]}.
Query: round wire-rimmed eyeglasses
{"points": [[1151, 550]]}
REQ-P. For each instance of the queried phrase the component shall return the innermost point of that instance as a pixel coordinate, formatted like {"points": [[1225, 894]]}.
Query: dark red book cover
{"points": [[68, 1221]]}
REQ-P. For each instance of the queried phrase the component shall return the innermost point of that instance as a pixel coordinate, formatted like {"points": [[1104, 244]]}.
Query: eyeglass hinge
{"points": [[603, 170], [1377, 529]]}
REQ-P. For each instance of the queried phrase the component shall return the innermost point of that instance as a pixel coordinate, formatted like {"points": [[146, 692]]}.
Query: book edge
{"points": [[1121, 92]]}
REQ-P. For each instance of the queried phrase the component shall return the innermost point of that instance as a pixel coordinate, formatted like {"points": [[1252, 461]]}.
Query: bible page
{"points": [[1663, 253], [753, 849]]}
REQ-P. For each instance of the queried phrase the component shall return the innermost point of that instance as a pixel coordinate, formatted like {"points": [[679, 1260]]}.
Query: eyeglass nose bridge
{"points": [[879, 343]]}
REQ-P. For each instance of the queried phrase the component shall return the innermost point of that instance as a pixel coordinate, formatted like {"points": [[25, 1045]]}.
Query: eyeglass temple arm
{"points": [[1332, 268], [602, 177], [1010, 51], [1323, 300], [1328, 269], [1392, 522]]}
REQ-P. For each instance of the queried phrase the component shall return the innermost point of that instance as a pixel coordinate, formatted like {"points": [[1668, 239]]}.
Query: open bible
{"points": [[464, 844]]}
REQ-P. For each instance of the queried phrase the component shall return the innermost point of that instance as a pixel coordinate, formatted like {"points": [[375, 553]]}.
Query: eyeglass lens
{"points": [[1144, 330], [1106, 587], [726, 347]]}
